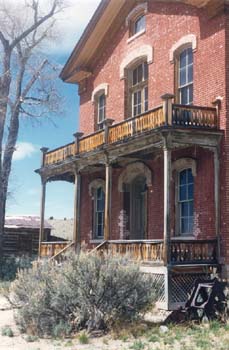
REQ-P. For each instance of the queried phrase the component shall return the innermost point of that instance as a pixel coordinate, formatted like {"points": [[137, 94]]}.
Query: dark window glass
{"points": [[186, 76], [186, 197], [139, 24], [139, 89], [99, 212], [101, 108]]}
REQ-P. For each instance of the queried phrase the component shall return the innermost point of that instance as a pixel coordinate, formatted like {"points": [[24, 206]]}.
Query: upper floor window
{"points": [[139, 89], [139, 24], [185, 77], [101, 108], [185, 201]]}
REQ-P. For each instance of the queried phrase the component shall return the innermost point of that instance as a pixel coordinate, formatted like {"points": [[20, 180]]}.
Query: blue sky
{"points": [[24, 182]]}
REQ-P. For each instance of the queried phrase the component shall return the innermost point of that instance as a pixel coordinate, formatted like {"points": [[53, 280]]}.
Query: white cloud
{"points": [[71, 23], [24, 150]]}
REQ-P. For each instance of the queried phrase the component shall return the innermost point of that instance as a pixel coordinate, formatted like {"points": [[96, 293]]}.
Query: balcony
{"points": [[180, 117]]}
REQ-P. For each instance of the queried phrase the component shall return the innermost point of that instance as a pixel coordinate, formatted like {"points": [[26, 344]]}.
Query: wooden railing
{"points": [[181, 116], [194, 116], [60, 154], [51, 249], [193, 251], [91, 142], [182, 252]]}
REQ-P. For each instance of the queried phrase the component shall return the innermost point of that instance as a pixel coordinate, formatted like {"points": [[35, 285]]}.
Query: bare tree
{"points": [[27, 86]]}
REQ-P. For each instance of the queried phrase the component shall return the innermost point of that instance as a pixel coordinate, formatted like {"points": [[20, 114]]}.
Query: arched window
{"points": [[185, 201], [99, 205], [138, 89], [185, 76], [101, 110], [139, 24]]}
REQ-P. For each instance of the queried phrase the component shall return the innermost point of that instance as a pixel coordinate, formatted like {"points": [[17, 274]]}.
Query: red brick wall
{"points": [[166, 24], [204, 226]]}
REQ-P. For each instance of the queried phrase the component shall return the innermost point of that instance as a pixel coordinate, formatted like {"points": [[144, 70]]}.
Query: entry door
{"points": [[138, 208]]}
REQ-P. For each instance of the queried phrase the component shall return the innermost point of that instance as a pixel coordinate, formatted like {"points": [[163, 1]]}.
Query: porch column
{"points": [[76, 228], [217, 197], [107, 201], [167, 180], [42, 208], [42, 214]]}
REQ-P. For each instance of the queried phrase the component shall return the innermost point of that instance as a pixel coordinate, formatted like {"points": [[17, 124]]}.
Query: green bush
{"points": [[87, 292], [7, 331]]}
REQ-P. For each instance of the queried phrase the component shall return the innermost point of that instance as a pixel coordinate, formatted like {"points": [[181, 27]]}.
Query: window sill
{"points": [[96, 241], [184, 238], [135, 36]]}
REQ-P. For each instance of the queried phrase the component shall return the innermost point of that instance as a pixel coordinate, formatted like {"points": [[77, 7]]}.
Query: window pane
{"points": [[191, 208], [184, 225], [184, 209], [146, 98], [190, 55], [139, 24], [184, 96], [140, 73], [190, 192], [183, 195], [146, 72], [135, 76], [183, 177], [190, 74], [183, 59], [182, 76], [190, 88]]}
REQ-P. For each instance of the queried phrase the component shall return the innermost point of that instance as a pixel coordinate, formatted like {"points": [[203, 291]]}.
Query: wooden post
{"points": [[107, 201], [167, 180], [76, 228], [167, 108], [107, 123], [44, 150], [77, 136], [42, 214], [217, 198]]}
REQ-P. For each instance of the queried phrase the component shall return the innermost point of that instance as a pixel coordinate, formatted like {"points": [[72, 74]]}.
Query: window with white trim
{"points": [[186, 201], [139, 24], [99, 206], [185, 76], [101, 108], [139, 89]]}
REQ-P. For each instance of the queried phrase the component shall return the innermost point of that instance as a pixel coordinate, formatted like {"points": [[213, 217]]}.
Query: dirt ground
{"points": [[19, 342]]}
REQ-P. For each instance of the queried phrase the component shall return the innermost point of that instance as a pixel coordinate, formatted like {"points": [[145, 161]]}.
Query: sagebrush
{"points": [[86, 292]]}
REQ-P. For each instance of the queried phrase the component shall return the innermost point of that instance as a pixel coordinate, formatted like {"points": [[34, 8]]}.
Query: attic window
{"points": [[136, 21], [139, 24]]}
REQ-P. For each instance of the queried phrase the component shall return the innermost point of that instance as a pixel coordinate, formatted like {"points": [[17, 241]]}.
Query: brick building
{"points": [[150, 163]]}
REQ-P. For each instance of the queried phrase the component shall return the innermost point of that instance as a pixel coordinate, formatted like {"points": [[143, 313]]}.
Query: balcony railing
{"points": [[181, 116], [50, 249], [182, 252]]}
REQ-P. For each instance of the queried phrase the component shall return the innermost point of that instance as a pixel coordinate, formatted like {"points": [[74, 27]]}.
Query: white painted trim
{"points": [[137, 9], [185, 40], [135, 36], [184, 163], [104, 87], [144, 51], [95, 184], [131, 171]]}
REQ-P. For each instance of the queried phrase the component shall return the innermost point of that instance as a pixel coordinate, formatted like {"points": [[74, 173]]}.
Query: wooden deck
{"points": [[182, 117]]}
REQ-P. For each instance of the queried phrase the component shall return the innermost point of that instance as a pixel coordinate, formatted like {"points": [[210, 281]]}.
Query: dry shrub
{"points": [[86, 292]]}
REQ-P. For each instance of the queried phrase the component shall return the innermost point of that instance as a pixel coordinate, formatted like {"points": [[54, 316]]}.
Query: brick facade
{"points": [[166, 25]]}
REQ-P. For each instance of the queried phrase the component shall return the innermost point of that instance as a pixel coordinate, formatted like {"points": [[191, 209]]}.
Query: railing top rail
{"points": [[136, 117], [56, 242], [92, 134], [126, 241], [61, 147], [213, 109], [195, 241]]}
